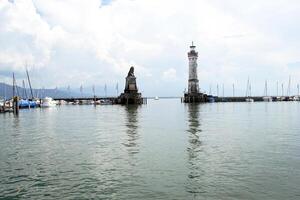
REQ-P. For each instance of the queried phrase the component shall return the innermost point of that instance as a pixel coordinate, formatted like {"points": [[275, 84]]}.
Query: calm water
{"points": [[163, 150]]}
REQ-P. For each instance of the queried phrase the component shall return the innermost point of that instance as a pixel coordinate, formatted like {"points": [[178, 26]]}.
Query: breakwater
{"points": [[255, 99]]}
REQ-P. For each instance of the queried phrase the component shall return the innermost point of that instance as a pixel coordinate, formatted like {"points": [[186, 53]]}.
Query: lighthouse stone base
{"points": [[195, 98], [131, 98]]}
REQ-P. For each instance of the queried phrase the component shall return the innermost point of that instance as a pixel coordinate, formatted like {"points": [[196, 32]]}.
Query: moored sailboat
{"points": [[248, 92], [267, 98]]}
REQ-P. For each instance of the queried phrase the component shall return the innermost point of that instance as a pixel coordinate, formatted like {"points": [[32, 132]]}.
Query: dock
{"points": [[74, 99], [215, 99], [254, 98], [112, 100]]}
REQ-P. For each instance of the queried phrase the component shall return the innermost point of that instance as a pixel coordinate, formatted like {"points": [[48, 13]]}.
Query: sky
{"points": [[94, 42]]}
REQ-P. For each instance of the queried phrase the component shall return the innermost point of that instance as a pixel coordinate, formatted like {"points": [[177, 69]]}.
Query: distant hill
{"points": [[6, 91]]}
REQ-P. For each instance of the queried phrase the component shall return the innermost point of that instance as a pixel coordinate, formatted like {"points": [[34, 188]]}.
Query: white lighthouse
{"points": [[194, 95], [193, 78]]}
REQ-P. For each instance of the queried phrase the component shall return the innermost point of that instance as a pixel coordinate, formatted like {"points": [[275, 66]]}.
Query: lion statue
{"points": [[131, 71]]}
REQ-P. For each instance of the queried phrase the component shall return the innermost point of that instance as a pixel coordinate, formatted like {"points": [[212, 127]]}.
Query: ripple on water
{"points": [[162, 150]]}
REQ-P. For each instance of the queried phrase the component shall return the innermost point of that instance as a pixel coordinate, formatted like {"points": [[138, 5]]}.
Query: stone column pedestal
{"points": [[131, 94]]}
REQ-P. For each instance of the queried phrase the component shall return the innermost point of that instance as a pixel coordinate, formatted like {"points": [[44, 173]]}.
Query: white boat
{"points": [[281, 98], [2, 102], [249, 100], [38, 102], [76, 102], [296, 98], [48, 102], [85, 102], [156, 98], [62, 102], [267, 99], [96, 102], [105, 102]]}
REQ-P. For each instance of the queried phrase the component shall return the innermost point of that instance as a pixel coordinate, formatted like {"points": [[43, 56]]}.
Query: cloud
{"points": [[75, 42], [169, 75]]}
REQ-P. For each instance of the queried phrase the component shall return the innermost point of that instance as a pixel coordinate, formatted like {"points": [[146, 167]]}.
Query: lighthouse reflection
{"points": [[193, 130], [131, 129], [193, 150]]}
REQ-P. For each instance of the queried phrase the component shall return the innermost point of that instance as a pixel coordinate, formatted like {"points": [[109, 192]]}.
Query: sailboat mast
{"points": [[14, 91], [289, 87], [37, 93], [29, 83], [43, 92], [93, 88], [266, 88], [69, 91], [105, 90], [247, 88], [223, 91], [81, 90], [117, 88], [24, 90], [250, 90], [55, 92], [277, 89], [15, 86], [4, 90]]}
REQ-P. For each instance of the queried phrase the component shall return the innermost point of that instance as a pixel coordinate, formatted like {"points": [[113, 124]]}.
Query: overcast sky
{"points": [[94, 42]]}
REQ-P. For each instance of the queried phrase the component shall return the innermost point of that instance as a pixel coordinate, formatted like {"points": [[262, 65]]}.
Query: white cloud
{"points": [[169, 75], [84, 42]]}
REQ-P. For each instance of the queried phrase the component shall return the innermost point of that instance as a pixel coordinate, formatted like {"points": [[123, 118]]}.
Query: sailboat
{"points": [[267, 98], [156, 98], [290, 98], [27, 102], [3, 105], [297, 98], [250, 100], [248, 92], [281, 98]]}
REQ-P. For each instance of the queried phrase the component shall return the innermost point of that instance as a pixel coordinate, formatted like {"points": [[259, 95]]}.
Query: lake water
{"points": [[162, 150]]}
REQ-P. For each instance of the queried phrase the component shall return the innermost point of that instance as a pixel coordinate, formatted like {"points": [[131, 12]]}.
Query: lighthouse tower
{"points": [[193, 84], [193, 95]]}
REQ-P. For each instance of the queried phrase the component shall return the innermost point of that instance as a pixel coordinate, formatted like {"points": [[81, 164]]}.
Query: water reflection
{"points": [[194, 148], [132, 129], [194, 130], [16, 123]]}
